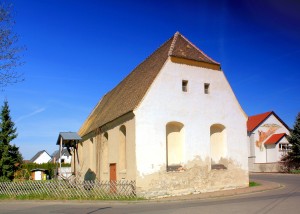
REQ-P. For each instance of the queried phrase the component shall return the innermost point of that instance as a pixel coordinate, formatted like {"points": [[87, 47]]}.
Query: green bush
{"points": [[4, 179], [50, 167]]}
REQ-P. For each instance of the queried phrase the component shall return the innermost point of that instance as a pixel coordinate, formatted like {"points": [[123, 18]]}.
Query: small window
{"points": [[184, 85], [283, 147], [206, 88], [62, 160]]}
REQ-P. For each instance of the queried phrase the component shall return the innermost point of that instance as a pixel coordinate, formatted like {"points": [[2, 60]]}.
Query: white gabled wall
{"points": [[166, 102], [260, 151], [66, 158], [43, 158]]}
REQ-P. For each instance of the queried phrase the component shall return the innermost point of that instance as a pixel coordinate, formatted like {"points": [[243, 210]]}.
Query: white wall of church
{"points": [[166, 102]]}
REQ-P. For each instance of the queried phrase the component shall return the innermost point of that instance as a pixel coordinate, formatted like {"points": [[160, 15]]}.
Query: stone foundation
{"points": [[195, 177]]}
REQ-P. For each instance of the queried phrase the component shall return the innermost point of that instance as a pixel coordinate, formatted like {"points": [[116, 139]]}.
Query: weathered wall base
{"points": [[196, 177], [266, 167]]}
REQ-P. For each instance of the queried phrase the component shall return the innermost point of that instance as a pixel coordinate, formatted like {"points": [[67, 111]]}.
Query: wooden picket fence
{"points": [[65, 189]]}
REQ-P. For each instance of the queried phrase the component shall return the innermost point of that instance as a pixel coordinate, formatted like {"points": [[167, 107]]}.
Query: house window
{"points": [[184, 85], [206, 88], [283, 147], [62, 160]]}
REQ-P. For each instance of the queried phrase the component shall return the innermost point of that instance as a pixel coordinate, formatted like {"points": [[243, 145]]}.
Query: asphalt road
{"points": [[284, 201]]}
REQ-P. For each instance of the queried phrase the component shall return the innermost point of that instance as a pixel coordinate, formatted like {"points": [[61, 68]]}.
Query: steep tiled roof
{"points": [[183, 48], [256, 120], [127, 95], [275, 138]]}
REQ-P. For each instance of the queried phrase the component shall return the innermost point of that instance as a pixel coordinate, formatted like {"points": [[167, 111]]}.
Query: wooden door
{"points": [[113, 177]]}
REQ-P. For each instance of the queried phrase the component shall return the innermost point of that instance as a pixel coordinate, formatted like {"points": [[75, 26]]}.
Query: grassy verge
{"points": [[253, 184], [295, 171]]}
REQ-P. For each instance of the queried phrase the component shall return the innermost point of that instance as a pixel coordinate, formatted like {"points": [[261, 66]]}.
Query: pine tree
{"points": [[292, 160], [10, 157]]}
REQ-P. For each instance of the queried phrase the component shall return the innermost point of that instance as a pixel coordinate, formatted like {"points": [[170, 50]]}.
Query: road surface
{"points": [[282, 201]]}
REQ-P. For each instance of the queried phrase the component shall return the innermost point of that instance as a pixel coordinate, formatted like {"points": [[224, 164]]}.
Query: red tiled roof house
{"points": [[267, 142]]}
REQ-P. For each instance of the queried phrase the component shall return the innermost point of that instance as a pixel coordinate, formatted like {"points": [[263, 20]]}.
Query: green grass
{"points": [[253, 184], [295, 171]]}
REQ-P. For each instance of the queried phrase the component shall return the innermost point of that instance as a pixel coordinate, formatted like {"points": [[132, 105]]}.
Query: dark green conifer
{"points": [[10, 157], [292, 159]]}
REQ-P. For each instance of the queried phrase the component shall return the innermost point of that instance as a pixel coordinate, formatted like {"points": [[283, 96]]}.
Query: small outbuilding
{"points": [[39, 174]]}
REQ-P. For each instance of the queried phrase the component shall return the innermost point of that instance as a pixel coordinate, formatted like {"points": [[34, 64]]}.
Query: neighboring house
{"points": [[173, 125], [41, 157], [267, 142], [65, 156]]}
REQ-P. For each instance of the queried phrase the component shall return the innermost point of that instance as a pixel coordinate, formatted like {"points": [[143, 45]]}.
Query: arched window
{"points": [[122, 148], [175, 143], [104, 153], [218, 145]]}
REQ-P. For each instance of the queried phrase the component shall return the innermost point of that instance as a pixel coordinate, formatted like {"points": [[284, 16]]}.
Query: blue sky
{"points": [[79, 50]]}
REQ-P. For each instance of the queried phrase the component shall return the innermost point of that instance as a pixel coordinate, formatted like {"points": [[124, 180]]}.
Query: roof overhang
{"points": [[68, 139], [275, 138]]}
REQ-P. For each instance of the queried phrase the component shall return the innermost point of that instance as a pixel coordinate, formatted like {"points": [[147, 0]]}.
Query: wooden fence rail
{"points": [[65, 189]]}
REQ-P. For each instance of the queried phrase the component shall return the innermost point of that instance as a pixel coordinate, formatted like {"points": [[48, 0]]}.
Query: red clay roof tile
{"points": [[275, 138], [255, 120]]}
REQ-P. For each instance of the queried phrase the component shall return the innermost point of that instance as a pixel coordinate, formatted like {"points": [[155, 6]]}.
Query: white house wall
{"points": [[43, 158], [197, 111], [270, 126], [66, 158]]}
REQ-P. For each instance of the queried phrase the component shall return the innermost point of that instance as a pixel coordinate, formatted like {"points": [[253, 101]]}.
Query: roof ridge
{"points": [[173, 43], [267, 112], [199, 50]]}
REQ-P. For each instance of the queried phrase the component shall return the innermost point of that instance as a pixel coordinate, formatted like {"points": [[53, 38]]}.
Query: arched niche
{"points": [[218, 145], [175, 144]]}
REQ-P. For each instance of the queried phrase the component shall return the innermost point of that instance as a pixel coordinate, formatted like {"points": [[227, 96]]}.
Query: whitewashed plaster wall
{"points": [[89, 153], [273, 154], [43, 158], [67, 159], [260, 151], [125, 170], [166, 102]]}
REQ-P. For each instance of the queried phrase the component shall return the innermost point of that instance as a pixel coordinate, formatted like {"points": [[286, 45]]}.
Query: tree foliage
{"points": [[9, 50], [10, 157], [292, 159]]}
